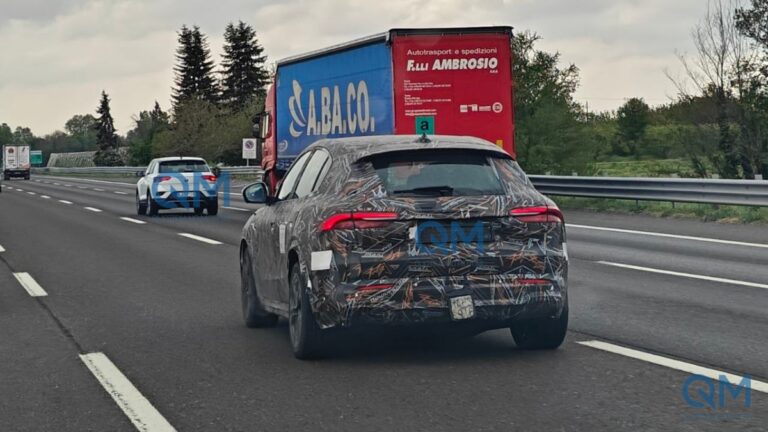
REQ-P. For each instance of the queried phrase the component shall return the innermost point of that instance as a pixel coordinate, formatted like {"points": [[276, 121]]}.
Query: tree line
{"points": [[717, 122], [211, 108]]}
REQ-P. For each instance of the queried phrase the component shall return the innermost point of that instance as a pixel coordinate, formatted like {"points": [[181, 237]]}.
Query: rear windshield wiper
{"points": [[430, 190]]}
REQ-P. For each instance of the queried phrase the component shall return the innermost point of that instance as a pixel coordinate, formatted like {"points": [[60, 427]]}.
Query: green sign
{"points": [[425, 125], [36, 157]]}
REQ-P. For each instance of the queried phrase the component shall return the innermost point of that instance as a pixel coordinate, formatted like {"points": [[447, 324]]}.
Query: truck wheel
{"points": [[306, 336], [254, 314], [152, 206], [141, 207], [213, 208], [541, 334], [26, 177]]}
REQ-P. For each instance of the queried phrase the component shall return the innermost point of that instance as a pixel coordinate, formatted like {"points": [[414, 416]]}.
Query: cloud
{"points": [[58, 56]]}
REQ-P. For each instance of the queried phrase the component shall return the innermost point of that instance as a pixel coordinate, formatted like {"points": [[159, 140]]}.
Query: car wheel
{"points": [[541, 334], [199, 211], [141, 207], [305, 334], [152, 206], [213, 208], [254, 314]]}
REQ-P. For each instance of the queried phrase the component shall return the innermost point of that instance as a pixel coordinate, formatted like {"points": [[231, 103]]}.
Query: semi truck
{"points": [[447, 81], [16, 161]]}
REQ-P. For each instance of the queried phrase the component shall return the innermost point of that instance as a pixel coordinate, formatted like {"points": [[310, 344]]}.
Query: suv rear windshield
{"points": [[437, 173], [182, 166]]}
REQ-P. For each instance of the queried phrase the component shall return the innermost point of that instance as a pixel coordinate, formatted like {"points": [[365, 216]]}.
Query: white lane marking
{"points": [[237, 209], [139, 410], [202, 239], [68, 185], [45, 197], [687, 275], [132, 220], [82, 187], [33, 288], [56, 184], [20, 190], [31, 193], [682, 237], [65, 202], [672, 363], [121, 193], [95, 210], [2, 249], [101, 181], [98, 190]]}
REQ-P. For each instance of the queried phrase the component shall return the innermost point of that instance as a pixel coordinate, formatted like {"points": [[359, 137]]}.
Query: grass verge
{"points": [[703, 212]]}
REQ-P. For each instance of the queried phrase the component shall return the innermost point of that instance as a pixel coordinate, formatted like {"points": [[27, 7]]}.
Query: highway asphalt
{"points": [[124, 324]]}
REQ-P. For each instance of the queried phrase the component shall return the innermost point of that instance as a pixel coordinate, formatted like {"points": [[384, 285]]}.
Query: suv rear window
{"points": [[182, 166], [438, 173]]}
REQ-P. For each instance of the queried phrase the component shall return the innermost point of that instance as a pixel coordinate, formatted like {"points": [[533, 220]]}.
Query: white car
{"points": [[176, 182]]}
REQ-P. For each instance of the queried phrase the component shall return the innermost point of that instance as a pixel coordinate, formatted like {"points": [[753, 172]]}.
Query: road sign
{"points": [[425, 125], [36, 157], [249, 148]]}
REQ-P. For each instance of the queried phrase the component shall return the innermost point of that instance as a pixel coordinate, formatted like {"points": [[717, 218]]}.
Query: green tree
{"points": [[244, 75], [548, 134], [82, 129], [106, 136], [23, 136], [6, 134], [194, 68], [633, 119], [141, 138]]}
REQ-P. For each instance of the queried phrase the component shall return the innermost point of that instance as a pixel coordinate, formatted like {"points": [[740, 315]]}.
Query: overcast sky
{"points": [[57, 55]]}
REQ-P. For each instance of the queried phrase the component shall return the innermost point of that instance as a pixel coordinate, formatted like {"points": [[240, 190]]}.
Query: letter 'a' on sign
{"points": [[425, 125]]}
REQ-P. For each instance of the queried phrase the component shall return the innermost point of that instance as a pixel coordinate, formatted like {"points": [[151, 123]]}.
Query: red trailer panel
{"points": [[461, 83]]}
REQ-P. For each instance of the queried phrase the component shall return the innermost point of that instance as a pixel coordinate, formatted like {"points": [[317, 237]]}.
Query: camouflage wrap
{"points": [[422, 281]]}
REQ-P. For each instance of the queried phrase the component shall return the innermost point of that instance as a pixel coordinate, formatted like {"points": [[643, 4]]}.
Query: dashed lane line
{"points": [[200, 239], [30, 285], [95, 210], [138, 409], [132, 220]]}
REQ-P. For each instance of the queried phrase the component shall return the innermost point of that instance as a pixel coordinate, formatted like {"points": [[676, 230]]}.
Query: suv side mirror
{"points": [[256, 193], [140, 173]]}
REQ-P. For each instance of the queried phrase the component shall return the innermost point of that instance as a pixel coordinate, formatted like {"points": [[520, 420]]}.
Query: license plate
{"points": [[462, 307]]}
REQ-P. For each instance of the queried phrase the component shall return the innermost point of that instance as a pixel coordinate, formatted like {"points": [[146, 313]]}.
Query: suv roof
{"points": [[359, 147], [178, 158]]}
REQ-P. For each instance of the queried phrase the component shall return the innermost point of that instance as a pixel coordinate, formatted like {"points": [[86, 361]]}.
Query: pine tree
{"points": [[244, 75], [194, 69], [106, 138]]}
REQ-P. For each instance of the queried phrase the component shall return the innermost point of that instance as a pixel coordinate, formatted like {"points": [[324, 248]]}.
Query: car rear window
{"points": [[181, 166], [438, 173]]}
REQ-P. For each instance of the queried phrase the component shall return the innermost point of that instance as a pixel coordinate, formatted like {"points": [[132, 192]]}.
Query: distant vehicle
{"points": [[450, 81], [395, 230], [176, 182], [16, 162]]}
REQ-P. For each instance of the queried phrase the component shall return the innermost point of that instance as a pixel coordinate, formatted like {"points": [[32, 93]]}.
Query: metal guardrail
{"points": [[242, 170], [705, 191]]}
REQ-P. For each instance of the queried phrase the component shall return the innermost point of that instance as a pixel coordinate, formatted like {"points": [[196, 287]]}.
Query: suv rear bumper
{"points": [[498, 301], [185, 200]]}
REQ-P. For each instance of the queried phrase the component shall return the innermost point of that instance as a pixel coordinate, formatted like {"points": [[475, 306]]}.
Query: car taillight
{"points": [[375, 287], [162, 179], [209, 177], [358, 220], [542, 214]]}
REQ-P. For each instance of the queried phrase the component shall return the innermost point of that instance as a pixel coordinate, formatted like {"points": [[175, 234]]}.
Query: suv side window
{"points": [[311, 172], [150, 168], [289, 181]]}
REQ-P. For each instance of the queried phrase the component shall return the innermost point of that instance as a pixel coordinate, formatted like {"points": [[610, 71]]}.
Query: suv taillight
{"points": [[541, 214], [209, 177], [161, 179], [358, 220]]}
